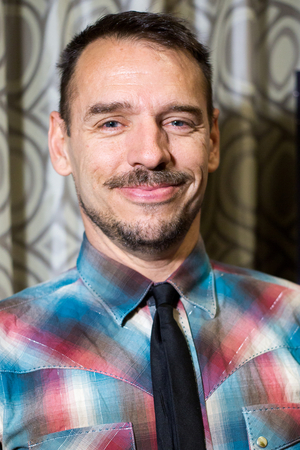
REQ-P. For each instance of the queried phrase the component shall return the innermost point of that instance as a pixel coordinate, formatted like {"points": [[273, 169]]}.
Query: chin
{"points": [[148, 236]]}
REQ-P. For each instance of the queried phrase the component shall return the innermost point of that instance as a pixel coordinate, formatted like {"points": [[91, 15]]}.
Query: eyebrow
{"points": [[186, 108], [104, 108]]}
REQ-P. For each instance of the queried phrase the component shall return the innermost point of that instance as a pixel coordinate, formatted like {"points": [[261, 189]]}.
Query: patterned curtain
{"points": [[249, 216]]}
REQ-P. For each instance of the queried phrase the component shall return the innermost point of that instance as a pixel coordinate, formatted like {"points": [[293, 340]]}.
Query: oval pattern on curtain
{"points": [[249, 216]]}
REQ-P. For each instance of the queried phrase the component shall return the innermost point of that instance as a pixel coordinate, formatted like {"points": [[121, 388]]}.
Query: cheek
{"points": [[100, 162], [190, 151], [193, 161]]}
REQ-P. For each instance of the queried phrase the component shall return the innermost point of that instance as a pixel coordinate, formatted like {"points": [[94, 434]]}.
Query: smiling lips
{"points": [[150, 194]]}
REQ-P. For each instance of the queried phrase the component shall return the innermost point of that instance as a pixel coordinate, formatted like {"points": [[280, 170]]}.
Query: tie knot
{"points": [[165, 293]]}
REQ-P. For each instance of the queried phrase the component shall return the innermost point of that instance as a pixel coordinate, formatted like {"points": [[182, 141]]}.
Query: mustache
{"points": [[143, 177]]}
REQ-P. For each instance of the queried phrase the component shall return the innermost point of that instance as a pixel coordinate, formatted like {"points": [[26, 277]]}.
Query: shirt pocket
{"points": [[113, 436], [273, 426]]}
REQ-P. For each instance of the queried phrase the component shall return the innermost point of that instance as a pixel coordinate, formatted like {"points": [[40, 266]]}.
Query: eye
{"points": [[178, 123], [111, 124]]}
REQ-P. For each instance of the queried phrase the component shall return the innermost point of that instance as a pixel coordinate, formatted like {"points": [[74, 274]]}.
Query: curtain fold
{"points": [[6, 272], [249, 216], [255, 54]]}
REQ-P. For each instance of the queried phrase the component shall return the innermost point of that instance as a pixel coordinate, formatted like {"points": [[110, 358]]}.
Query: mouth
{"points": [[149, 187], [161, 193]]}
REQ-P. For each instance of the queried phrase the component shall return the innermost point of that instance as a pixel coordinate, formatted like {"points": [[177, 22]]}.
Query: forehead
{"points": [[110, 65]]}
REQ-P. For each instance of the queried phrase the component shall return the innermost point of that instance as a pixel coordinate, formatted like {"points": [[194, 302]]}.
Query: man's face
{"points": [[140, 146]]}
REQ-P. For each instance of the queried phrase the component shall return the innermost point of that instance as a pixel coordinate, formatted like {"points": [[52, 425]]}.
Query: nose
{"points": [[149, 146]]}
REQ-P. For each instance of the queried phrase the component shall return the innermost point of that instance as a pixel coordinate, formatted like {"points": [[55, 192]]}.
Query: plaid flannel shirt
{"points": [[75, 357]]}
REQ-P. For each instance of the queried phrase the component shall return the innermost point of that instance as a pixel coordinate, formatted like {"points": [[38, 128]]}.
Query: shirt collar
{"points": [[120, 289]]}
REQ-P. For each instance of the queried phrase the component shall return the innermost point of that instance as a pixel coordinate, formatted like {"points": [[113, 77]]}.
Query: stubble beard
{"points": [[150, 236]]}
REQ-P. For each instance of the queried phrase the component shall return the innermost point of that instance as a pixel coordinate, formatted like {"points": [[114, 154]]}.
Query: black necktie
{"points": [[178, 415]]}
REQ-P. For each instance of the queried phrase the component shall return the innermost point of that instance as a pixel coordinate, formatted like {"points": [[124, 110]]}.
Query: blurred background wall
{"points": [[249, 216]]}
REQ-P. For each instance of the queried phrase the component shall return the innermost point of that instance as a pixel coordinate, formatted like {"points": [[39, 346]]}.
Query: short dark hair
{"points": [[161, 29]]}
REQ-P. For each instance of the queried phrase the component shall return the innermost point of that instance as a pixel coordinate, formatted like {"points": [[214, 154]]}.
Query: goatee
{"points": [[138, 237]]}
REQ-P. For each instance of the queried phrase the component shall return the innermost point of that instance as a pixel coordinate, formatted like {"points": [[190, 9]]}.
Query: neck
{"points": [[157, 267]]}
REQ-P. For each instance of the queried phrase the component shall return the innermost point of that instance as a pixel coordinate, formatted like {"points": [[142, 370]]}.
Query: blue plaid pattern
{"points": [[75, 371]]}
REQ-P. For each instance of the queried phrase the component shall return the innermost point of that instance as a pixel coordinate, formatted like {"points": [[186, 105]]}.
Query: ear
{"points": [[214, 143], [57, 141]]}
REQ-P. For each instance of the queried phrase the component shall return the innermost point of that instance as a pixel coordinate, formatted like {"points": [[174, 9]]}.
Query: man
{"points": [[138, 133]]}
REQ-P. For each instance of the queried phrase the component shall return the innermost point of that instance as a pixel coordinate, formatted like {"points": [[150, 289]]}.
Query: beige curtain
{"points": [[249, 217]]}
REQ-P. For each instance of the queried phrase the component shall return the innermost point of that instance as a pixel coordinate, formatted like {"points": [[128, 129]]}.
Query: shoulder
{"points": [[262, 304], [53, 289], [248, 287], [33, 322], [244, 275]]}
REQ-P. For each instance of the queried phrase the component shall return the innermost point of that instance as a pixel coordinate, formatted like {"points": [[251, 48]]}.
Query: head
{"points": [[137, 131], [160, 29]]}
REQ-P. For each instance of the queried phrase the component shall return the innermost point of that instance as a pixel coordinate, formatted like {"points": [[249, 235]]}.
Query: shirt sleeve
{"points": [[1, 410]]}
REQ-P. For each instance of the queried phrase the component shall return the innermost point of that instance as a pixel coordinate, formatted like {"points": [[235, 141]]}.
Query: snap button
{"points": [[262, 442]]}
